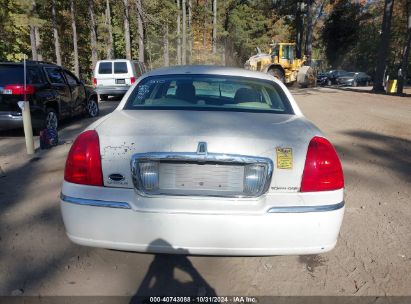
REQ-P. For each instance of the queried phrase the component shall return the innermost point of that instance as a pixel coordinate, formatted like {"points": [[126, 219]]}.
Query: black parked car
{"points": [[53, 92], [330, 77], [354, 79], [322, 79]]}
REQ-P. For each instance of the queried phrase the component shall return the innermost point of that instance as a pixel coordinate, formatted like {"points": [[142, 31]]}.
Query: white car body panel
{"points": [[281, 221]]}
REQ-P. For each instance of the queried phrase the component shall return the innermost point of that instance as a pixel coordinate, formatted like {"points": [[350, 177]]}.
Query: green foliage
{"points": [[341, 31], [248, 29], [346, 34]]}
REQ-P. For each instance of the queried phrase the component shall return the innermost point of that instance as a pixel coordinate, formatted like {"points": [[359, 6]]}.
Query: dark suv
{"points": [[53, 92]]}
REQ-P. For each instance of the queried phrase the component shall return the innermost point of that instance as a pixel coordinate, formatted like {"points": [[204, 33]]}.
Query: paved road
{"points": [[372, 134]]}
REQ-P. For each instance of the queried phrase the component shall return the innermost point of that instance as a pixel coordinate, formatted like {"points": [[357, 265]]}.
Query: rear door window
{"points": [[70, 79], [105, 68], [34, 76], [120, 68], [55, 76]]}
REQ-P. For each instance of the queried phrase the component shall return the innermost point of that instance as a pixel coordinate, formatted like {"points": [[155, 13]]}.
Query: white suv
{"points": [[114, 77]]}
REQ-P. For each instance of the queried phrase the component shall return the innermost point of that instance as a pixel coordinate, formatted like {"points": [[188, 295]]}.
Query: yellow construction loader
{"points": [[281, 62]]}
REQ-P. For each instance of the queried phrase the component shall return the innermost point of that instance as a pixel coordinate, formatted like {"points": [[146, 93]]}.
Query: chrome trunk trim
{"points": [[94, 203], [304, 209]]}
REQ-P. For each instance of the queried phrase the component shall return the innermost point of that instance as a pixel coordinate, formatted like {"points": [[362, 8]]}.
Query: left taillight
{"points": [[83, 165], [18, 89], [94, 81]]}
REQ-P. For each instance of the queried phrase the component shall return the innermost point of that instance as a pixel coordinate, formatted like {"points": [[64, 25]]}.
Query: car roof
{"points": [[114, 60], [32, 64], [209, 70]]}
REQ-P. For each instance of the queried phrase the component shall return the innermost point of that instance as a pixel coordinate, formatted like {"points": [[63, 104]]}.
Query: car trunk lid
{"points": [[128, 132]]}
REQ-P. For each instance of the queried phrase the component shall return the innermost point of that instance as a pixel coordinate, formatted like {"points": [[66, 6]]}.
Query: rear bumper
{"points": [[9, 121], [346, 84], [112, 90], [276, 231]]}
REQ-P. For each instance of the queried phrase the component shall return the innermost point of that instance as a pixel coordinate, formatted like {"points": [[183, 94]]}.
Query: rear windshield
{"points": [[120, 68], [10, 74], [105, 68], [210, 93]]}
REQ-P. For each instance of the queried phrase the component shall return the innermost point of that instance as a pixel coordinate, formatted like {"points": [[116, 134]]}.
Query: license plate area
{"points": [[120, 81], [196, 178], [196, 174]]}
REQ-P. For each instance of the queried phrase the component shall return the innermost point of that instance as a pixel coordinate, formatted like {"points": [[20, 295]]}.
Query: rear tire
{"points": [[277, 73], [92, 108], [52, 119]]}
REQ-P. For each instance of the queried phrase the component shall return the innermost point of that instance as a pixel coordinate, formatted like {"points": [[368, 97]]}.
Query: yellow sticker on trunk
{"points": [[284, 158]]}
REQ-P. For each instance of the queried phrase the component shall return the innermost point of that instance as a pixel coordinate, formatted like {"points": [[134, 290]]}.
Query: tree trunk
{"points": [[178, 33], [184, 46], [33, 43], [383, 48], [56, 33], [127, 29], [110, 46], [75, 47], [140, 29], [405, 52], [32, 27], [205, 24], [227, 11], [299, 29], [214, 26], [166, 48], [309, 28], [38, 43], [190, 31], [93, 35]]}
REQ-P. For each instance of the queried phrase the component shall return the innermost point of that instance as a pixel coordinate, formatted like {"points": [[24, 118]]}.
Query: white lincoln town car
{"points": [[210, 160]]}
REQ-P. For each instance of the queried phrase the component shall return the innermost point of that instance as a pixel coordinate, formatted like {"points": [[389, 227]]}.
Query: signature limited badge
{"points": [[284, 158]]}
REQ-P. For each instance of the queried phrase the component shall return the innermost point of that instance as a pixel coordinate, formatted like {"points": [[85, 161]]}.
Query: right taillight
{"points": [[83, 165], [18, 89], [322, 170]]}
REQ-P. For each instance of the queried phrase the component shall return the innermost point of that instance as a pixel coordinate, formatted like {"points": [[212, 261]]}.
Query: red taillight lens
{"points": [[18, 89], [322, 171], [83, 165], [132, 80], [95, 81]]}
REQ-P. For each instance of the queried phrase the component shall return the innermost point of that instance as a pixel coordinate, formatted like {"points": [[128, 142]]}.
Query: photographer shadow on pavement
{"points": [[160, 280]]}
